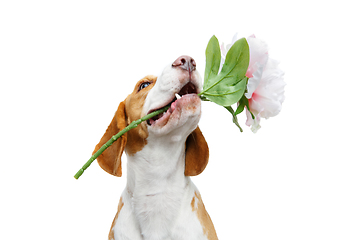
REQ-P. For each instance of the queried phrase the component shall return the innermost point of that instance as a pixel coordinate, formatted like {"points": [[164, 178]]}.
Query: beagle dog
{"points": [[160, 202]]}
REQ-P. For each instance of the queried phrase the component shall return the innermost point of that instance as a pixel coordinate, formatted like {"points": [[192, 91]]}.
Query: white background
{"points": [[66, 65]]}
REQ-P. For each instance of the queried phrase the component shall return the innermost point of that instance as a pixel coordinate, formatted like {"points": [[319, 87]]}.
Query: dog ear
{"points": [[196, 153], [110, 159]]}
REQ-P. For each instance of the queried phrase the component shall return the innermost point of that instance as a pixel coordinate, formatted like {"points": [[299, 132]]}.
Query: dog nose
{"points": [[185, 62]]}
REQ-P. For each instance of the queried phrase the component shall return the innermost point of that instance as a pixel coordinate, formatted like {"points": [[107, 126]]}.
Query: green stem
{"points": [[235, 120], [132, 125]]}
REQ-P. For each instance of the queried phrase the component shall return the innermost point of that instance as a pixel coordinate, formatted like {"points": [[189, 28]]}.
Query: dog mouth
{"points": [[188, 89]]}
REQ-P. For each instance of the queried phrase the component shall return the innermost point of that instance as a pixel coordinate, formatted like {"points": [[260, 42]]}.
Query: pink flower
{"points": [[265, 88]]}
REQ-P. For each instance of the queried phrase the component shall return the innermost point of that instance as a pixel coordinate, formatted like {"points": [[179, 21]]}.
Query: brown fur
{"points": [[197, 151], [204, 218], [111, 233], [132, 141], [110, 159], [134, 105]]}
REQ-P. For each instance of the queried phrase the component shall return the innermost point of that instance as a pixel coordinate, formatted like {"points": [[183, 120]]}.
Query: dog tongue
{"points": [[172, 107]]}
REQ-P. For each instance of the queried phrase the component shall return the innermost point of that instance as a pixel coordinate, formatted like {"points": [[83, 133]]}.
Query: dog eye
{"points": [[143, 85]]}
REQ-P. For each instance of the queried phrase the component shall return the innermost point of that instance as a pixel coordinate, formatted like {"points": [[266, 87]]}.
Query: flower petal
{"points": [[258, 54], [254, 82], [270, 91], [254, 123], [249, 120]]}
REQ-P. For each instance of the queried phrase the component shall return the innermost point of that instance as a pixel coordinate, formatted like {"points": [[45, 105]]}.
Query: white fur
{"points": [[157, 198]]}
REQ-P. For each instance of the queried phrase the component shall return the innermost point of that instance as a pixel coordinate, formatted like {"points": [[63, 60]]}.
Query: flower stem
{"points": [[132, 125]]}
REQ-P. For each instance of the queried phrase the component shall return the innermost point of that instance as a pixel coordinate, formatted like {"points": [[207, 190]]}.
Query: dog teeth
{"points": [[177, 96]]}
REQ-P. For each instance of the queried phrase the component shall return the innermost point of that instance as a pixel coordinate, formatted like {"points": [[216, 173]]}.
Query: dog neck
{"points": [[163, 162], [156, 185]]}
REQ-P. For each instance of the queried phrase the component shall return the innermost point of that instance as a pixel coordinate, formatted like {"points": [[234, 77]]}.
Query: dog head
{"points": [[177, 87]]}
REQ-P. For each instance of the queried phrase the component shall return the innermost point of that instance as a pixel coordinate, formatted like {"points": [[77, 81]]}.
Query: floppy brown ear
{"points": [[196, 153], [110, 159]]}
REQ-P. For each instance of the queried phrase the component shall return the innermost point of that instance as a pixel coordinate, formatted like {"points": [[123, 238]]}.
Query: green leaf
{"points": [[229, 85], [241, 105], [213, 58], [226, 95]]}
